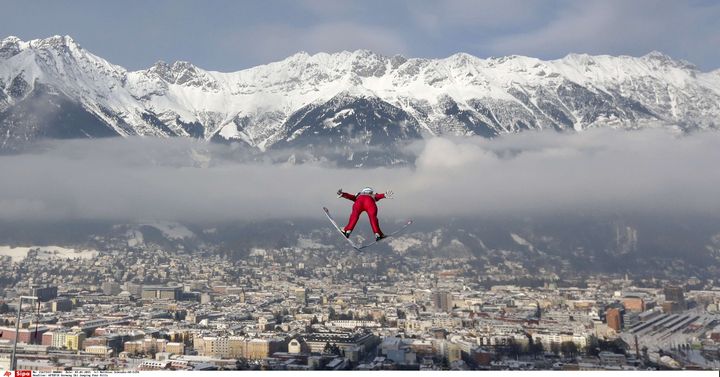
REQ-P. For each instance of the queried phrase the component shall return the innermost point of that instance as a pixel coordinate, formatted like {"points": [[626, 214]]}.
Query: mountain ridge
{"points": [[459, 95]]}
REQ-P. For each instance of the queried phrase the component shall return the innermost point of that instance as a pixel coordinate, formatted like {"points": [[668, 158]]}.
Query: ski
{"points": [[361, 247], [407, 224], [327, 213]]}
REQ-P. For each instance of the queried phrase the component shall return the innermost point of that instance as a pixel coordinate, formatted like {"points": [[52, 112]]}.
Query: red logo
{"points": [[23, 373], [7, 373]]}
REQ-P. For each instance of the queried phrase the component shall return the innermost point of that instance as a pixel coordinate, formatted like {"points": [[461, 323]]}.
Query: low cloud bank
{"points": [[604, 171]]}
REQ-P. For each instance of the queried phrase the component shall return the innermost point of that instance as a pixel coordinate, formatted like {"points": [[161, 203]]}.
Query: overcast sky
{"points": [[229, 35], [598, 171]]}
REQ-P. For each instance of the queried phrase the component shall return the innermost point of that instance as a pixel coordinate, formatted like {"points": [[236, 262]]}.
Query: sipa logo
{"points": [[23, 373]]}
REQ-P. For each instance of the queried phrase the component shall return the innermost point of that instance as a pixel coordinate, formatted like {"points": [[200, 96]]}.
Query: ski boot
{"points": [[346, 233], [379, 236]]}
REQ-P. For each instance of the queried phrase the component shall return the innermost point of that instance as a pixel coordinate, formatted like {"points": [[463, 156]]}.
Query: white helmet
{"points": [[367, 190]]}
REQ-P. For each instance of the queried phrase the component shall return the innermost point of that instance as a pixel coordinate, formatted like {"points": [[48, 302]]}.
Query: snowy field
{"points": [[171, 230], [17, 254]]}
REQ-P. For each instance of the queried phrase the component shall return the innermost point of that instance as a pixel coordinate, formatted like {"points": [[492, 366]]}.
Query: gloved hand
{"points": [[389, 194], [339, 193]]}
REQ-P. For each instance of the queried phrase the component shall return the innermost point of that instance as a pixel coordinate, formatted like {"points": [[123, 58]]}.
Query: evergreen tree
{"points": [[569, 349], [555, 348]]}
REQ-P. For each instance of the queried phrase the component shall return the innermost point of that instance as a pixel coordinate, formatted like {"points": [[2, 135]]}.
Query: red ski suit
{"points": [[364, 202]]}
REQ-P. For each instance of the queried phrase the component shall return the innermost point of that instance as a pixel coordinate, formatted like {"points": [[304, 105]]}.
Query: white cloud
{"points": [[443, 154], [478, 15], [274, 42], [620, 27], [598, 171]]}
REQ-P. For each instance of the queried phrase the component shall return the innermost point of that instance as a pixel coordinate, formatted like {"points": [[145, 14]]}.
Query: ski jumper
{"points": [[364, 203]]}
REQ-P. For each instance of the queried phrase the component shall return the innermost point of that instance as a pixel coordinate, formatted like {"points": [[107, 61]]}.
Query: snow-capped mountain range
{"points": [[53, 88]]}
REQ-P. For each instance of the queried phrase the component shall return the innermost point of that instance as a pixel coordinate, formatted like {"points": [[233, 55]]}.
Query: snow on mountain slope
{"points": [[18, 253], [45, 82]]}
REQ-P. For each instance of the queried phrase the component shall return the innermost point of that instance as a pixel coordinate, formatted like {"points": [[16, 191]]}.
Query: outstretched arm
{"points": [[388, 195], [345, 195]]}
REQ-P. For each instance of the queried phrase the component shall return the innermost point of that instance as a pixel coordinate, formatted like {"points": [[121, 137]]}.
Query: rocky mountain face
{"points": [[353, 101]]}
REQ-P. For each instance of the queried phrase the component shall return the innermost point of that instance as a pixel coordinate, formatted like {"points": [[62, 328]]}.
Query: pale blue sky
{"points": [[231, 35]]}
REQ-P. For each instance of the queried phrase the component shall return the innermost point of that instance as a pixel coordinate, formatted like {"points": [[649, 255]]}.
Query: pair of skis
{"points": [[361, 247]]}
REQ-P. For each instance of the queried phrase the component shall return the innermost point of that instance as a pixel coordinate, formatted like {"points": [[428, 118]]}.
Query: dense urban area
{"points": [[139, 307]]}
